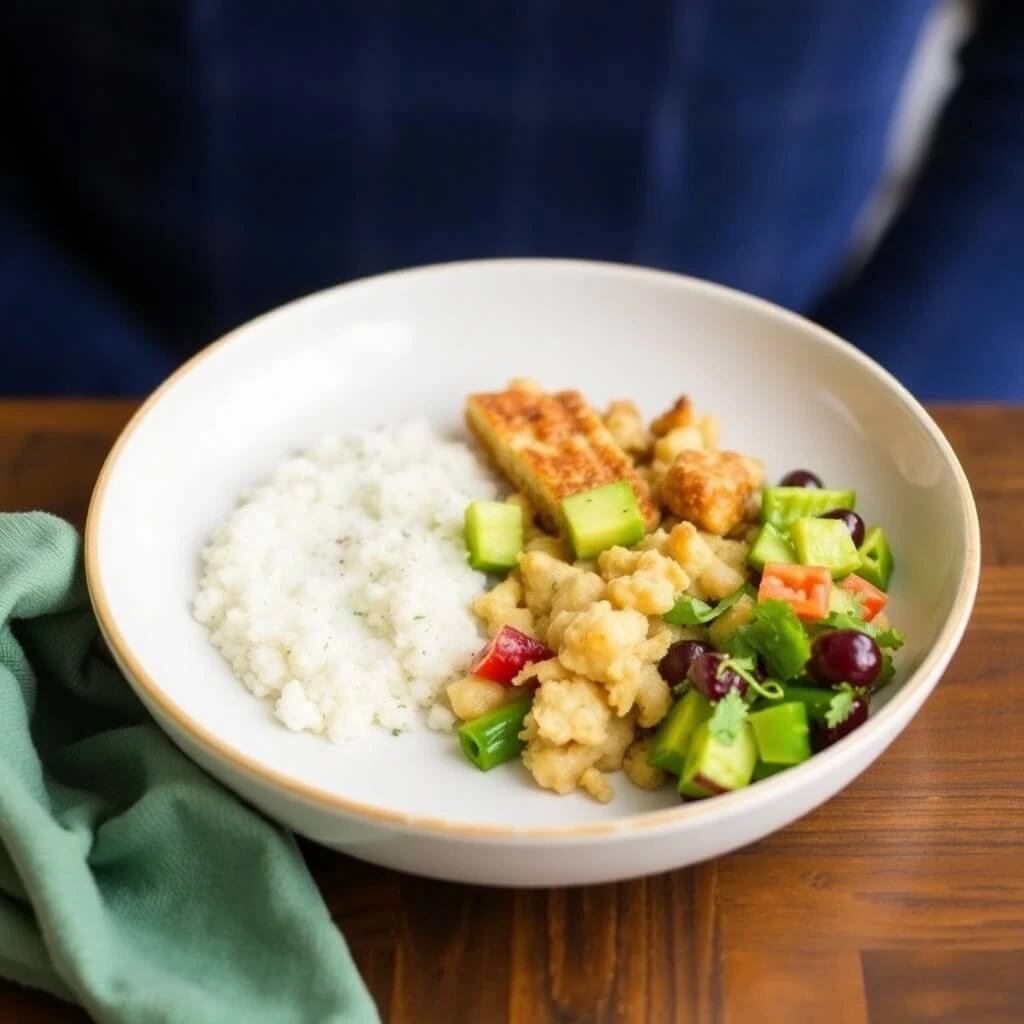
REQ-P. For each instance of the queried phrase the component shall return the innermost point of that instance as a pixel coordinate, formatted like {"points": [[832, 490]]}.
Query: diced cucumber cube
{"points": [[672, 740], [716, 767], [494, 535], [604, 517]]}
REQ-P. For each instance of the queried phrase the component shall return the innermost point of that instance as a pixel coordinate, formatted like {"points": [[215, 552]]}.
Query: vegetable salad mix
{"points": [[733, 639]]}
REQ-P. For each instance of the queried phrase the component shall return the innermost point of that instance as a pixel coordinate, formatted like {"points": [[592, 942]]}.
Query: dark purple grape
{"points": [[844, 656], [853, 522], [800, 478], [825, 736], [705, 674], [675, 666]]}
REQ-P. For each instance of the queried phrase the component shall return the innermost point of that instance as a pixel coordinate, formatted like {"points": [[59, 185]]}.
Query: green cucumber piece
{"points": [[876, 561], [762, 770], [494, 535], [783, 506], [826, 543], [604, 517], [815, 699], [715, 767], [672, 740], [782, 733], [770, 545]]}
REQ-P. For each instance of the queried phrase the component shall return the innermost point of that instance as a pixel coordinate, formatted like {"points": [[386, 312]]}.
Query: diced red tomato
{"points": [[806, 588], [872, 600], [507, 655]]}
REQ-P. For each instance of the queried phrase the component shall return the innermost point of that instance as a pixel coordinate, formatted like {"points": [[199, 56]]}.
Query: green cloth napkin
{"points": [[130, 881]]}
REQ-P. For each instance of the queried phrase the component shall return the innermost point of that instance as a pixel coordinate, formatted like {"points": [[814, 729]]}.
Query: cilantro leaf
{"points": [[780, 638], [738, 646], [887, 672], [844, 620], [689, 611], [891, 638], [840, 707], [692, 611], [728, 717]]}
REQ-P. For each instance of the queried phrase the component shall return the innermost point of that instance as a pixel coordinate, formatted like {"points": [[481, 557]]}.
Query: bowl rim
{"points": [[914, 690]]}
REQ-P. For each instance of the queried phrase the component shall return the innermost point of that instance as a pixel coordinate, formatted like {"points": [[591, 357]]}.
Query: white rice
{"points": [[339, 589]]}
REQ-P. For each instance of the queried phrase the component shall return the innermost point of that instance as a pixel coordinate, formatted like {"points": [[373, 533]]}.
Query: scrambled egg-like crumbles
{"points": [[597, 702]]}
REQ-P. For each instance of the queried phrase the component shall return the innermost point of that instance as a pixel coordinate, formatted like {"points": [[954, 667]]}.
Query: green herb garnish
{"points": [[840, 706], [692, 611], [779, 637], [745, 668], [889, 638], [728, 717]]}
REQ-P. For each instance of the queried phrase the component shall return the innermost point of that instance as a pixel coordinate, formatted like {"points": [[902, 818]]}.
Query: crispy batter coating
{"points": [[552, 446], [709, 488]]}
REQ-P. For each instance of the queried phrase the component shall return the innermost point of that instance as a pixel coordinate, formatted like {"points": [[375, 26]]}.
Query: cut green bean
{"points": [[493, 739]]}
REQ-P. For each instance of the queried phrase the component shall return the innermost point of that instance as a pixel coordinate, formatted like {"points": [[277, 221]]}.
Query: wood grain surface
{"points": [[901, 900]]}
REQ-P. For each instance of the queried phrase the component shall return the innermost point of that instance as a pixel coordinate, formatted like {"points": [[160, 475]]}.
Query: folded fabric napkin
{"points": [[130, 881]]}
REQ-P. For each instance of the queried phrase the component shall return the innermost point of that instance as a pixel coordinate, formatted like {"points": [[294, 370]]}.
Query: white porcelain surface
{"points": [[416, 343]]}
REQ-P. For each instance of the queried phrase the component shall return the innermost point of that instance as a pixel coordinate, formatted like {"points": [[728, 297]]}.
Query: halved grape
{"points": [[675, 665], [707, 675], [844, 656]]}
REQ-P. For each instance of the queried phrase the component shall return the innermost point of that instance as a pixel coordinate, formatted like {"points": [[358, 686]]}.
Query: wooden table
{"points": [[901, 900]]}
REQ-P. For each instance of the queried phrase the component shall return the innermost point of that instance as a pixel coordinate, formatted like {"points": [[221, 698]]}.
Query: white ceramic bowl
{"points": [[417, 342]]}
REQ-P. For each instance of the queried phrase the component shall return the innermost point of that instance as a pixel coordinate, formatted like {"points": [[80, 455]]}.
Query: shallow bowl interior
{"points": [[416, 343]]}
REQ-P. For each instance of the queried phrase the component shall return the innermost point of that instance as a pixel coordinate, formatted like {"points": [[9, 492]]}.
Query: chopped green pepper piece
{"points": [[770, 545], [494, 535], [493, 738], [782, 733], [876, 561], [783, 506]]}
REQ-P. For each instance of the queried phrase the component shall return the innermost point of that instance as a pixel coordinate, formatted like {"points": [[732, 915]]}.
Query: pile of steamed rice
{"points": [[338, 589]]}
